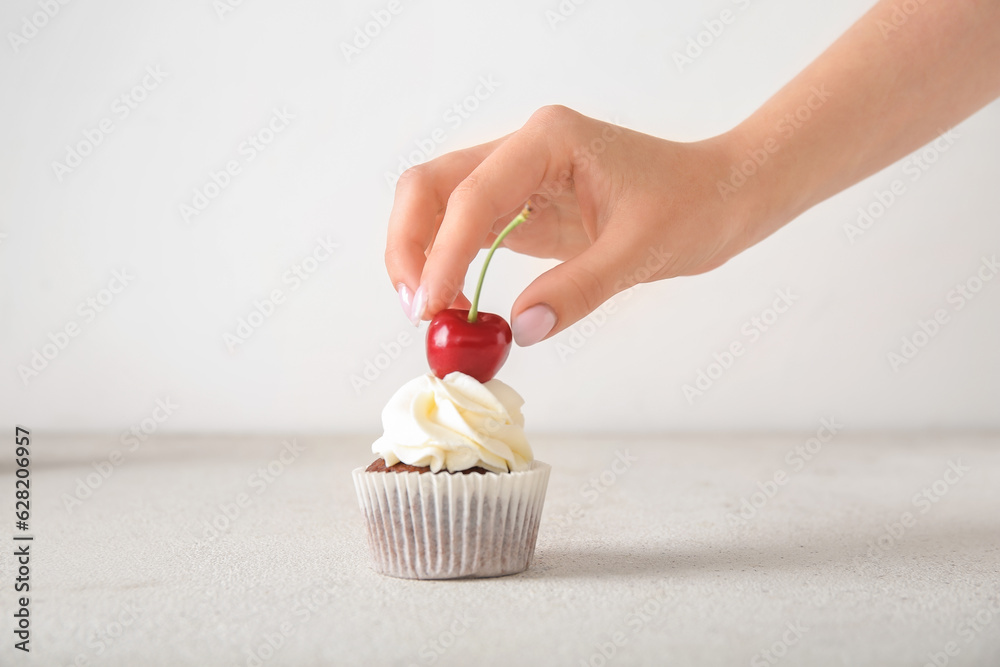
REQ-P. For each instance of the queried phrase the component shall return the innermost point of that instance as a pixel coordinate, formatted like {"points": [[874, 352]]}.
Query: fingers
{"points": [[502, 182], [420, 199], [566, 293]]}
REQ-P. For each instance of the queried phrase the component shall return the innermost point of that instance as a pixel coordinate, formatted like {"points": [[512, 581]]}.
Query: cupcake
{"points": [[455, 490]]}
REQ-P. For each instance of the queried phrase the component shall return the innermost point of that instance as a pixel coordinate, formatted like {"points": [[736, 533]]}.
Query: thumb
{"points": [[565, 294]]}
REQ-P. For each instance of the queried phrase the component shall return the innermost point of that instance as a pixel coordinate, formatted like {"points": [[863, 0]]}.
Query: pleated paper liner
{"points": [[446, 526]]}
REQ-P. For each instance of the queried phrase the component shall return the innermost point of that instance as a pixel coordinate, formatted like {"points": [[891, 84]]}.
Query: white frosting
{"points": [[454, 424]]}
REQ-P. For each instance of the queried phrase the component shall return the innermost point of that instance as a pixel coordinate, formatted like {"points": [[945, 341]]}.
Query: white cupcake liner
{"points": [[446, 526]]}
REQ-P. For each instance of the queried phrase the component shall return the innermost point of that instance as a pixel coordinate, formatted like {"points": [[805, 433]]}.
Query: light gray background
{"points": [[324, 176]]}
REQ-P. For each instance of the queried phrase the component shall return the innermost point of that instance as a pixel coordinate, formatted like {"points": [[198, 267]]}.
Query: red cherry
{"points": [[475, 348]]}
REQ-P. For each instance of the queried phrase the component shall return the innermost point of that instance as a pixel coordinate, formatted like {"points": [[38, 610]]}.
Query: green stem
{"points": [[521, 217]]}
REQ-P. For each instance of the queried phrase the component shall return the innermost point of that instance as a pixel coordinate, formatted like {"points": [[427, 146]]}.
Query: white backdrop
{"points": [[116, 301]]}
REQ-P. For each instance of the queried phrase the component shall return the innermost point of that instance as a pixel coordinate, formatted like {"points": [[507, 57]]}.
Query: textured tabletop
{"points": [[812, 549]]}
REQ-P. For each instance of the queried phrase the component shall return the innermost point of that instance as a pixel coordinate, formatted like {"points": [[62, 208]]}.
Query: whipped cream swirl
{"points": [[454, 424]]}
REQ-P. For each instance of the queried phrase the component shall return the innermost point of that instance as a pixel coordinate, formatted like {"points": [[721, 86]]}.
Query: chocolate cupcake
{"points": [[455, 491]]}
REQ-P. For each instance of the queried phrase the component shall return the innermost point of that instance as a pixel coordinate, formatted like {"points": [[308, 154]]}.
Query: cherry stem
{"points": [[521, 217]]}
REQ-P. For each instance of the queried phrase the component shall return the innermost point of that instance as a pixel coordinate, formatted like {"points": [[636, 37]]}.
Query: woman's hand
{"points": [[619, 207], [616, 206]]}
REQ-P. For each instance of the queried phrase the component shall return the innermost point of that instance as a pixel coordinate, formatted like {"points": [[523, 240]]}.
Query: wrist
{"points": [[761, 180]]}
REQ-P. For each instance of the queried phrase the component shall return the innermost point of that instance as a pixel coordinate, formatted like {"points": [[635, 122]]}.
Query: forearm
{"points": [[885, 88]]}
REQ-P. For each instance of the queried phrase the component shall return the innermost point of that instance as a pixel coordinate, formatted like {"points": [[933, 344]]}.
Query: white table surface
{"points": [[649, 569]]}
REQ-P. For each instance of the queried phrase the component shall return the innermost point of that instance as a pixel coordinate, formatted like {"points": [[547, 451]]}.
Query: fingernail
{"points": [[533, 324], [406, 301], [419, 303]]}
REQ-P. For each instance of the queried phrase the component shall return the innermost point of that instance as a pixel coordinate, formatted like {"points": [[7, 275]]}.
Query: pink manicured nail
{"points": [[406, 301], [533, 324], [419, 303]]}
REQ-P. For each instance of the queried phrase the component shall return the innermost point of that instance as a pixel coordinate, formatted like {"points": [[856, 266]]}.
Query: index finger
{"points": [[418, 204], [503, 181]]}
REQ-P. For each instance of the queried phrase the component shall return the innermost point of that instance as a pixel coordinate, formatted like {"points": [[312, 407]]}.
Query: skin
{"points": [[620, 207]]}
